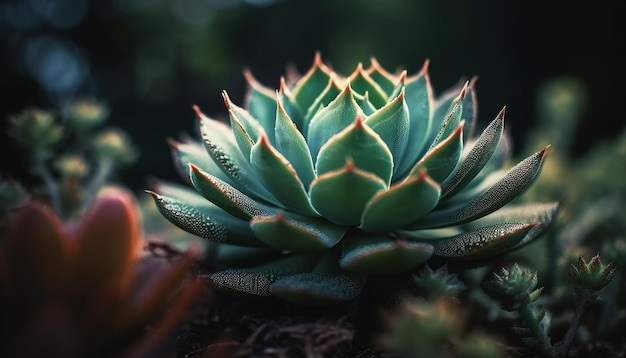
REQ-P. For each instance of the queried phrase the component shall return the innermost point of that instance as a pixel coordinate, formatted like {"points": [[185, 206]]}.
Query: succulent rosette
{"points": [[341, 177]]}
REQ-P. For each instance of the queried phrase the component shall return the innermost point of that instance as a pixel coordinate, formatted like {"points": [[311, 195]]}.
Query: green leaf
{"points": [[418, 95], [288, 232], [483, 242], [329, 93], [189, 152], [291, 143], [384, 79], [341, 195], [290, 106], [194, 214], [401, 204], [221, 146], [279, 176], [332, 119], [470, 106], [256, 280], [309, 87], [242, 117], [442, 158], [476, 158], [318, 289], [362, 83], [379, 253], [261, 103], [391, 122], [226, 196], [514, 182], [359, 143], [452, 118], [364, 102]]}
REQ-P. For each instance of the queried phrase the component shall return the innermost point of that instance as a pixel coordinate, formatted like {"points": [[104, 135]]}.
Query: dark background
{"points": [[151, 60]]}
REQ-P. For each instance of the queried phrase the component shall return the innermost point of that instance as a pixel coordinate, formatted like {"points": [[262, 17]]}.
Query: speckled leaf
{"points": [[476, 158], [221, 146], [332, 119], [470, 106], [226, 196], [291, 143], [318, 289], [391, 122], [279, 176], [452, 118], [194, 214], [483, 242], [362, 83], [401, 204], [514, 182], [359, 143], [341, 195], [297, 233], [261, 103], [379, 253], [418, 95], [188, 152], [256, 280], [442, 158]]}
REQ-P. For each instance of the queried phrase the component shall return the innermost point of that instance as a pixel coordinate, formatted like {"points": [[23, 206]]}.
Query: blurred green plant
{"points": [[347, 176], [69, 156], [81, 289]]}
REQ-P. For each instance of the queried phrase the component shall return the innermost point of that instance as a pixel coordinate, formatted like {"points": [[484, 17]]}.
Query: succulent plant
{"points": [[81, 289], [341, 177]]}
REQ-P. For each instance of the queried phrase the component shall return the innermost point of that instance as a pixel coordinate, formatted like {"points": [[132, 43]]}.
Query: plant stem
{"points": [[52, 189], [529, 315], [583, 301]]}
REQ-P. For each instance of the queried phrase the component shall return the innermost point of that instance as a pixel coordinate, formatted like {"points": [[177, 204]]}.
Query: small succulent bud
{"points": [[514, 287], [36, 128], [72, 166], [113, 144], [592, 275], [85, 113], [438, 283]]}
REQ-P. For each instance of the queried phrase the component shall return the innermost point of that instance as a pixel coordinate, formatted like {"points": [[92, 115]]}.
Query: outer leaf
{"points": [[401, 204], [261, 103], [318, 289], [291, 143], [331, 119], [452, 118], [379, 253], [297, 234], [341, 195], [257, 280], [391, 122], [470, 106], [418, 95], [220, 144], [188, 152], [225, 196], [508, 187], [249, 125], [483, 242], [192, 213], [442, 158], [477, 157], [362, 145], [278, 175]]}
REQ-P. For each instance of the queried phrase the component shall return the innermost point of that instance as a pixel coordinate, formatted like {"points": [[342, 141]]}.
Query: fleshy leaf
{"points": [[329, 93], [452, 118], [194, 214], [225, 196], [476, 158], [318, 289], [246, 128], [362, 83], [297, 234], [379, 253], [221, 146], [362, 145], [332, 119], [401, 204], [188, 152], [309, 87], [419, 97], [292, 144], [257, 280], [279, 176], [290, 106], [442, 158], [391, 122], [341, 195], [261, 103], [383, 78], [470, 105], [514, 182], [483, 242]]}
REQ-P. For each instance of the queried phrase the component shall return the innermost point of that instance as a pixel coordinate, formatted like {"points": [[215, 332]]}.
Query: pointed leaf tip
{"points": [[226, 99]]}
